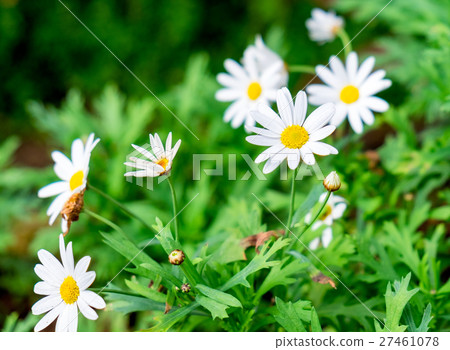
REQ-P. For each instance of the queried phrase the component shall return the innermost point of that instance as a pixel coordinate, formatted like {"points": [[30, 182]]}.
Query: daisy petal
{"points": [[81, 267], [301, 104], [285, 106], [269, 120], [77, 154], [307, 156], [144, 152], [322, 133], [355, 120], [262, 140], [327, 76], [319, 117], [351, 65], [44, 288], [376, 104], [340, 114], [49, 318], [314, 244], [93, 299], [53, 189], [269, 152], [86, 279], [47, 275], [45, 304], [327, 236], [321, 149], [51, 263], [86, 310], [364, 70]]}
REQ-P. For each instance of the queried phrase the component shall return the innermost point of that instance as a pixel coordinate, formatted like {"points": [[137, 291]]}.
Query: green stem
{"points": [[291, 205], [317, 216], [302, 69], [312, 222], [342, 34], [121, 206], [105, 221], [175, 213]]}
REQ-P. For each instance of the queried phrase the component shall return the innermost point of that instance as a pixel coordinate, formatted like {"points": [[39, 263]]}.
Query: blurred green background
{"points": [[59, 83]]}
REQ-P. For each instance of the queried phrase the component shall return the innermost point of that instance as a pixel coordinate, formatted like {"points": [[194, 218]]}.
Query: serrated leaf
{"points": [[290, 315], [395, 303], [260, 261], [426, 318], [217, 309], [219, 296], [279, 275]]}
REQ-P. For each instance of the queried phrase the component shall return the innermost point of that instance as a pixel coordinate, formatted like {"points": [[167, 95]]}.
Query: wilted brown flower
{"points": [[72, 209]]}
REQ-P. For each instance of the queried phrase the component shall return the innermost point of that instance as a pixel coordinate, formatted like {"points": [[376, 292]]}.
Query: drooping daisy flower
{"points": [[334, 209], [246, 86], [73, 174], [289, 135], [323, 26], [265, 57], [64, 287], [351, 89], [159, 160]]}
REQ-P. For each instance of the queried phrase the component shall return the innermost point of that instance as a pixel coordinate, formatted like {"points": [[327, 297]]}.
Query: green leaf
{"points": [[219, 296], [139, 258], [315, 323], [290, 315], [259, 262], [426, 318], [279, 275], [145, 291], [395, 303], [307, 204], [217, 309], [129, 303], [168, 320]]}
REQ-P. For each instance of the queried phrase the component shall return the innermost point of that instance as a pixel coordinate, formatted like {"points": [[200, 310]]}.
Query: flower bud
{"points": [[176, 257], [186, 288], [332, 182]]}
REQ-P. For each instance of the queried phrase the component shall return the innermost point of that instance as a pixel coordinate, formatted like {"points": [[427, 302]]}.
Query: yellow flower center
{"points": [[163, 162], [325, 213], [294, 136], [335, 29], [254, 91], [69, 290], [76, 180], [349, 94]]}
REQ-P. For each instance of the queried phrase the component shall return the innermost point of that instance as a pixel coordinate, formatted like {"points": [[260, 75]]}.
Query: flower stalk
{"points": [[174, 204]]}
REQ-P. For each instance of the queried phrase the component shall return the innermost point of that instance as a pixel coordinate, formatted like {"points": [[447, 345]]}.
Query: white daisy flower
{"points": [[265, 57], [159, 160], [351, 89], [289, 134], [334, 209], [73, 174], [246, 86], [323, 26], [64, 287]]}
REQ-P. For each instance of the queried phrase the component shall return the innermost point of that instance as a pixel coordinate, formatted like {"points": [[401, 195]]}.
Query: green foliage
{"points": [[396, 301], [394, 176]]}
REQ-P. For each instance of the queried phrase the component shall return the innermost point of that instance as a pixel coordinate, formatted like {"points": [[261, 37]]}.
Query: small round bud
{"points": [[176, 257], [332, 182], [186, 288]]}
